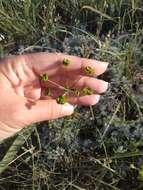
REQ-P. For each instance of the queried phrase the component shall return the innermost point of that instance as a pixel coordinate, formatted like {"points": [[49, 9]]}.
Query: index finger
{"points": [[53, 64], [82, 66]]}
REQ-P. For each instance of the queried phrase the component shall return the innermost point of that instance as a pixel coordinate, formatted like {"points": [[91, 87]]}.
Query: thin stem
{"points": [[62, 87]]}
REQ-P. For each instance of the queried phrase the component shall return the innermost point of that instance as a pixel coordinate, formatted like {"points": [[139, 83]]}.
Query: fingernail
{"points": [[106, 86], [105, 63], [95, 99], [102, 62], [67, 109], [103, 87], [75, 106]]}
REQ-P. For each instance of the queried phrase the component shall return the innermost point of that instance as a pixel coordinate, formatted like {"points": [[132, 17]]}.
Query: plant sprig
{"points": [[62, 99]]}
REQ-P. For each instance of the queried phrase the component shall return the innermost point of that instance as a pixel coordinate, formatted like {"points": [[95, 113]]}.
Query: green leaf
{"points": [[98, 12]]}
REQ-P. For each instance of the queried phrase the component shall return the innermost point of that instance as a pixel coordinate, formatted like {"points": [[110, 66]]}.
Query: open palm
{"points": [[23, 99]]}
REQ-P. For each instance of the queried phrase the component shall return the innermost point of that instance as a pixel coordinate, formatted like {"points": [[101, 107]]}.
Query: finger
{"points": [[77, 82], [44, 110], [71, 98], [98, 86], [33, 90], [78, 65], [32, 93], [89, 100], [53, 63]]}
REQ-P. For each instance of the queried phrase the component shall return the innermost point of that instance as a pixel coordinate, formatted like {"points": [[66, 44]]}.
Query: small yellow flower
{"points": [[61, 99], [77, 93], [44, 77], [89, 70], [87, 91], [66, 62]]}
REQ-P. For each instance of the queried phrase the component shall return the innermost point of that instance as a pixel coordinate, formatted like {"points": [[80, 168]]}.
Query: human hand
{"points": [[22, 98]]}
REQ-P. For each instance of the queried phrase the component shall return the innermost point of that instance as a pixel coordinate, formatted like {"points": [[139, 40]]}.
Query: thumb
{"points": [[47, 110]]}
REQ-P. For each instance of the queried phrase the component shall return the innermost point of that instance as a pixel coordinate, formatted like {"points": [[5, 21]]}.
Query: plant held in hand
{"points": [[44, 77], [61, 99], [87, 91], [66, 62], [89, 70], [68, 90]]}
